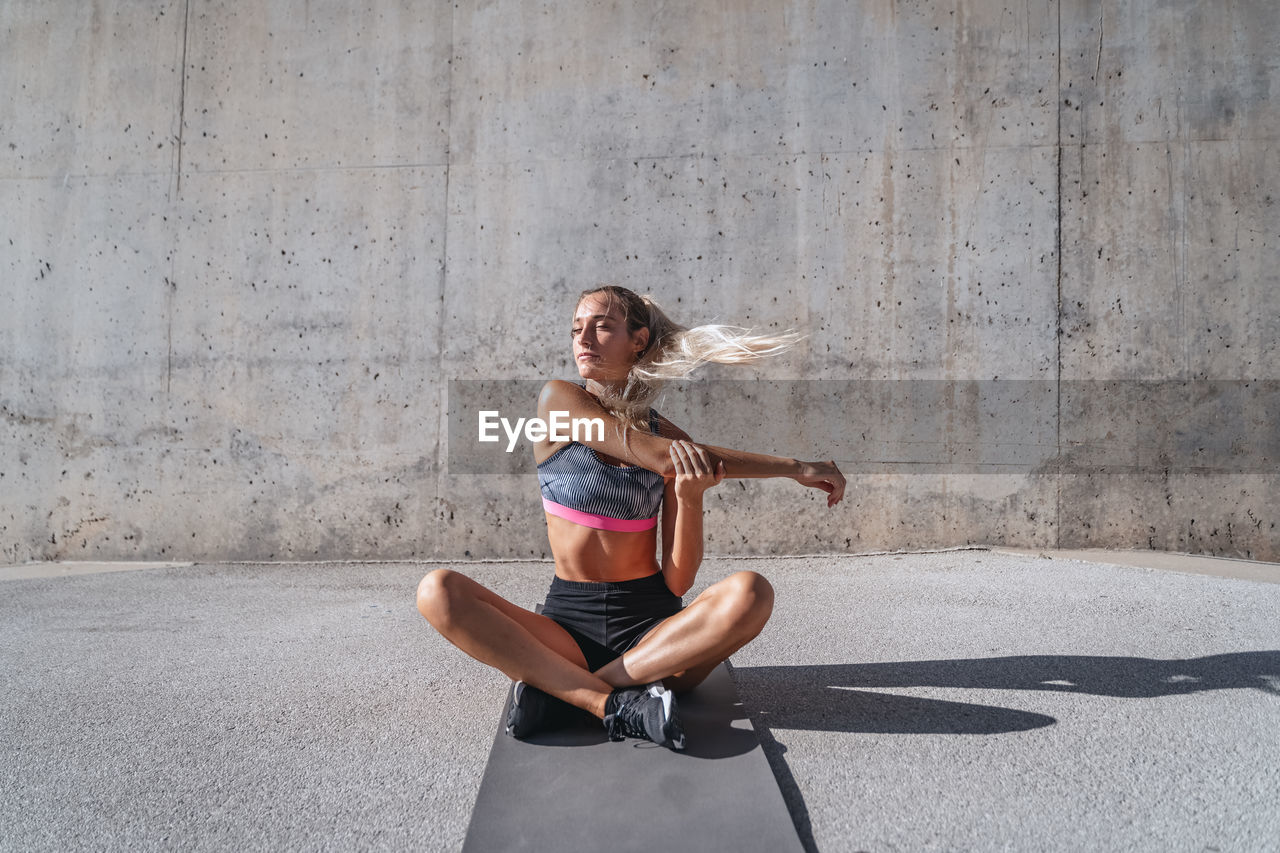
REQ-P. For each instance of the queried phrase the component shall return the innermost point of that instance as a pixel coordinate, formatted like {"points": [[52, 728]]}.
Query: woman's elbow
{"points": [[678, 586], [665, 466]]}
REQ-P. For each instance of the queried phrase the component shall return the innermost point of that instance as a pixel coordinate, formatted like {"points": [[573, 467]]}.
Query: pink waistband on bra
{"points": [[600, 522]]}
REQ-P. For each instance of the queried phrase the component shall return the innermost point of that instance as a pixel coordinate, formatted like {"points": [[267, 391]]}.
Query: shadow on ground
{"points": [[841, 697]]}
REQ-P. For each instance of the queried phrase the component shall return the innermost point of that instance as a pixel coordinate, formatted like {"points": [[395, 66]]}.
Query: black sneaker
{"points": [[534, 710], [647, 712]]}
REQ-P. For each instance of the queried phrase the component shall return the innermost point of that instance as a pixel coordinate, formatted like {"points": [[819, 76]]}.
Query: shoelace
{"points": [[624, 723]]}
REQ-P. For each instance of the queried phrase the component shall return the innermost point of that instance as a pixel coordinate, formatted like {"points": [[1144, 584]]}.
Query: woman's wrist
{"points": [[690, 501]]}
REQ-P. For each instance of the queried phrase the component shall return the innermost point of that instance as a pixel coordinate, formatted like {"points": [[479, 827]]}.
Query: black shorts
{"points": [[606, 619]]}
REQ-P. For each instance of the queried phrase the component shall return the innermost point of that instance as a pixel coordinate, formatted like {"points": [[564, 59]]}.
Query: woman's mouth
{"points": [[586, 355]]}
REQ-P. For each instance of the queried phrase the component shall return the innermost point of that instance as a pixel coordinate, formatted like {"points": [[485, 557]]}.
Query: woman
{"points": [[613, 638]]}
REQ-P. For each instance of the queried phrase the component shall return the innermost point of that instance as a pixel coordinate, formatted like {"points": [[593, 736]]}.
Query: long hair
{"points": [[674, 351]]}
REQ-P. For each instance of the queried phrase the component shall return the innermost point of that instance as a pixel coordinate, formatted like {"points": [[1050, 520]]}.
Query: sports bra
{"points": [[579, 487]]}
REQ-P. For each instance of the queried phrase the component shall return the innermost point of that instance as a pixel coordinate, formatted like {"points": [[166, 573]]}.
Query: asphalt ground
{"points": [[956, 700]]}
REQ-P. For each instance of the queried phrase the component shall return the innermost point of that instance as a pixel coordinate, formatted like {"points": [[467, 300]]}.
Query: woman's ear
{"points": [[643, 335]]}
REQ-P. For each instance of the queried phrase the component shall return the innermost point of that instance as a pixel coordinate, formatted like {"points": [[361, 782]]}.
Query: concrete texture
{"points": [[964, 699], [246, 248], [1218, 567]]}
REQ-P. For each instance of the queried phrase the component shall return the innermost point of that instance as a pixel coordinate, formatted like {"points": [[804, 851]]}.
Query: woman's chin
{"points": [[594, 368]]}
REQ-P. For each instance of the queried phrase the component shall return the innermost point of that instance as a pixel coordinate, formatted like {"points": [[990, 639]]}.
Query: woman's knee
{"points": [[748, 599], [438, 594]]}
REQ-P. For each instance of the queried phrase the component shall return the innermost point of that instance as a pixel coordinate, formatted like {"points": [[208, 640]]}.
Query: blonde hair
{"points": [[674, 351]]}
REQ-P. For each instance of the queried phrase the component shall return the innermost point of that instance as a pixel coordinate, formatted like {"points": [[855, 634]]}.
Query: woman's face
{"points": [[602, 347]]}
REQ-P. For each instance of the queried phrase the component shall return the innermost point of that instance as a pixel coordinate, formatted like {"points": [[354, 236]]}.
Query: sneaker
{"points": [[647, 712], [534, 710]]}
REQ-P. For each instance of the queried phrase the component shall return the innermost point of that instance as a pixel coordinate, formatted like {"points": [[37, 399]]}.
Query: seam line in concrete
{"points": [[1057, 480], [182, 90], [279, 170], [441, 463], [1049, 146]]}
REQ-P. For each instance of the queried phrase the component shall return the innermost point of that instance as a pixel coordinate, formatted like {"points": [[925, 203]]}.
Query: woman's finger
{"points": [[700, 460], [839, 484], [678, 454]]}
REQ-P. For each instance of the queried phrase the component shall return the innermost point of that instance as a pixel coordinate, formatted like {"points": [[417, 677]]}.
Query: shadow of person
{"points": [[820, 698], [804, 697], [1126, 677], [826, 698], [843, 697]]}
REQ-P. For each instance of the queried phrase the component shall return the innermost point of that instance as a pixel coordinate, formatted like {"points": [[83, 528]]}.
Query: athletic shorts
{"points": [[607, 618]]}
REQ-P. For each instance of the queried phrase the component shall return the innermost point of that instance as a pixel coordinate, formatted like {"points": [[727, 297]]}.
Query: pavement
{"points": [[972, 699]]}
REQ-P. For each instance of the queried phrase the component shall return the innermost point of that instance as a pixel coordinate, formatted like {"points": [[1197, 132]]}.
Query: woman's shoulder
{"points": [[559, 393], [560, 385]]}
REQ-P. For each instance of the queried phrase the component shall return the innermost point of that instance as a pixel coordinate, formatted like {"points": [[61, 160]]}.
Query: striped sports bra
{"points": [[579, 487]]}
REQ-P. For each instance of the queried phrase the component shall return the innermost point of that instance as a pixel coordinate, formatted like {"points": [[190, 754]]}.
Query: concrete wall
{"points": [[244, 247]]}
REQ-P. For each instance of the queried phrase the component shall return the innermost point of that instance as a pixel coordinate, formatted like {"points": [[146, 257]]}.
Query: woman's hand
{"points": [[693, 470], [825, 476]]}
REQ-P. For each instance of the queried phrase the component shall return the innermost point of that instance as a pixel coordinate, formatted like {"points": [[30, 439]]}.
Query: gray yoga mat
{"points": [[575, 790]]}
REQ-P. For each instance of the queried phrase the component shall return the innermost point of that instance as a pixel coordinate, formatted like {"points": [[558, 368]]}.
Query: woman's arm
{"points": [[818, 475], [654, 451], [682, 514], [696, 470], [740, 464]]}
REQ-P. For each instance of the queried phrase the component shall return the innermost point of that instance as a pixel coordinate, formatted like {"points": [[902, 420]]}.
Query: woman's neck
{"points": [[612, 388]]}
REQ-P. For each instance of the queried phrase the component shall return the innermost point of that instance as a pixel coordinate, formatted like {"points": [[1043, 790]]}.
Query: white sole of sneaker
{"points": [[516, 692], [657, 690]]}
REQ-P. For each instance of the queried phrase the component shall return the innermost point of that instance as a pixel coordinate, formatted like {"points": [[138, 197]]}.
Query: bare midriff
{"points": [[588, 554]]}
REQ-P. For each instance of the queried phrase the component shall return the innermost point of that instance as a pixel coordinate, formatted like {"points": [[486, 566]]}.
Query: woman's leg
{"points": [[526, 646], [685, 648]]}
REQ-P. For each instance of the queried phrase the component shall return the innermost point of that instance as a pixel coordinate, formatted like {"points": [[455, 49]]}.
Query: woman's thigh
{"points": [[454, 585], [743, 601], [723, 618]]}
